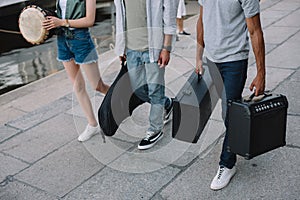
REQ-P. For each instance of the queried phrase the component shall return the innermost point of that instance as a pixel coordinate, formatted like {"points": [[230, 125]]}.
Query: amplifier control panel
{"points": [[268, 105]]}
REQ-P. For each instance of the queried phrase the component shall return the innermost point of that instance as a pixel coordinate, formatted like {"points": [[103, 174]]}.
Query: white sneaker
{"points": [[88, 133], [222, 178]]}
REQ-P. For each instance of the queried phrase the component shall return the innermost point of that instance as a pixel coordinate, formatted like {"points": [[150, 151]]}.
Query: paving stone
{"points": [[193, 183], [40, 91], [134, 128], [181, 65], [76, 109], [290, 20], [144, 162], [266, 22], [274, 76], [9, 113], [167, 151], [7, 132], [292, 95], [157, 197], [293, 130], [10, 166], [186, 47], [175, 86], [36, 143], [19, 191], [277, 35], [266, 4], [176, 68], [63, 170], [15, 94], [106, 149], [91, 92], [217, 112], [269, 17], [44, 94], [274, 14], [130, 131], [110, 71], [286, 5], [295, 76], [118, 185], [107, 59], [286, 55], [210, 136], [170, 151], [273, 175], [40, 115]]}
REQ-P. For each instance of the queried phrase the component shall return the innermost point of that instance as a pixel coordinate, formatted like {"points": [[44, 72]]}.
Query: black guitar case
{"points": [[195, 102]]}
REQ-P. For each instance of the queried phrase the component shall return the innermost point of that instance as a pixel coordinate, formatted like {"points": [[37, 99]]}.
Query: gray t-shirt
{"points": [[225, 29], [136, 25]]}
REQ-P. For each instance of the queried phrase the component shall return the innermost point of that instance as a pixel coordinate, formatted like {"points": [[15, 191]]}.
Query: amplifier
{"points": [[257, 126]]}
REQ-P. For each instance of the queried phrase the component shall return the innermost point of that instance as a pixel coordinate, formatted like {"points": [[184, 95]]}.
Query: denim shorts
{"points": [[76, 44]]}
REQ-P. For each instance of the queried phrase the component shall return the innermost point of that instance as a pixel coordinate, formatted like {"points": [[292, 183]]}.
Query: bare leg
{"points": [[74, 73], [93, 74], [179, 24]]}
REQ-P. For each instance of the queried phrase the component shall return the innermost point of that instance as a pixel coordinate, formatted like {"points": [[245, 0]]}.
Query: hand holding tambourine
{"points": [[31, 25]]}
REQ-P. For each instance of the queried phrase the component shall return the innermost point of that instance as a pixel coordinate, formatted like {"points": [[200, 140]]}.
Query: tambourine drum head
{"points": [[30, 24]]}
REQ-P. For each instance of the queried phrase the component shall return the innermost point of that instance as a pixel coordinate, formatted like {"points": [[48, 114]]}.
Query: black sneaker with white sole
{"points": [[150, 140], [168, 112], [184, 33]]}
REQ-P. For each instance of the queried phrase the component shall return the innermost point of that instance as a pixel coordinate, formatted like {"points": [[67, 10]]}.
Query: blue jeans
{"points": [[234, 75], [76, 44], [148, 81]]}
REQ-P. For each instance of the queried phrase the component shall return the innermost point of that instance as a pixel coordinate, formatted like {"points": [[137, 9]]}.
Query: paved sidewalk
{"points": [[40, 158]]}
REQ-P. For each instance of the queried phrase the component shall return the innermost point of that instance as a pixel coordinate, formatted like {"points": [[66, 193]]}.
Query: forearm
{"points": [[167, 40], [258, 46], [200, 45], [200, 36], [82, 22]]}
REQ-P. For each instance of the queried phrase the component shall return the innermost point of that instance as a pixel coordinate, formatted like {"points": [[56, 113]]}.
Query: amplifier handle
{"points": [[254, 98]]}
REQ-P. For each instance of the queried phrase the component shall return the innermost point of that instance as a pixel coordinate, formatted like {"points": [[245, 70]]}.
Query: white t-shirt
{"points": [[63, 7]]}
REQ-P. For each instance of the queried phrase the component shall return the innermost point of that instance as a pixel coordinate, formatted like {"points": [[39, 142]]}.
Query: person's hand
{"points": [[199, 66], [259, 84], [52, 22], [164, 58]]}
